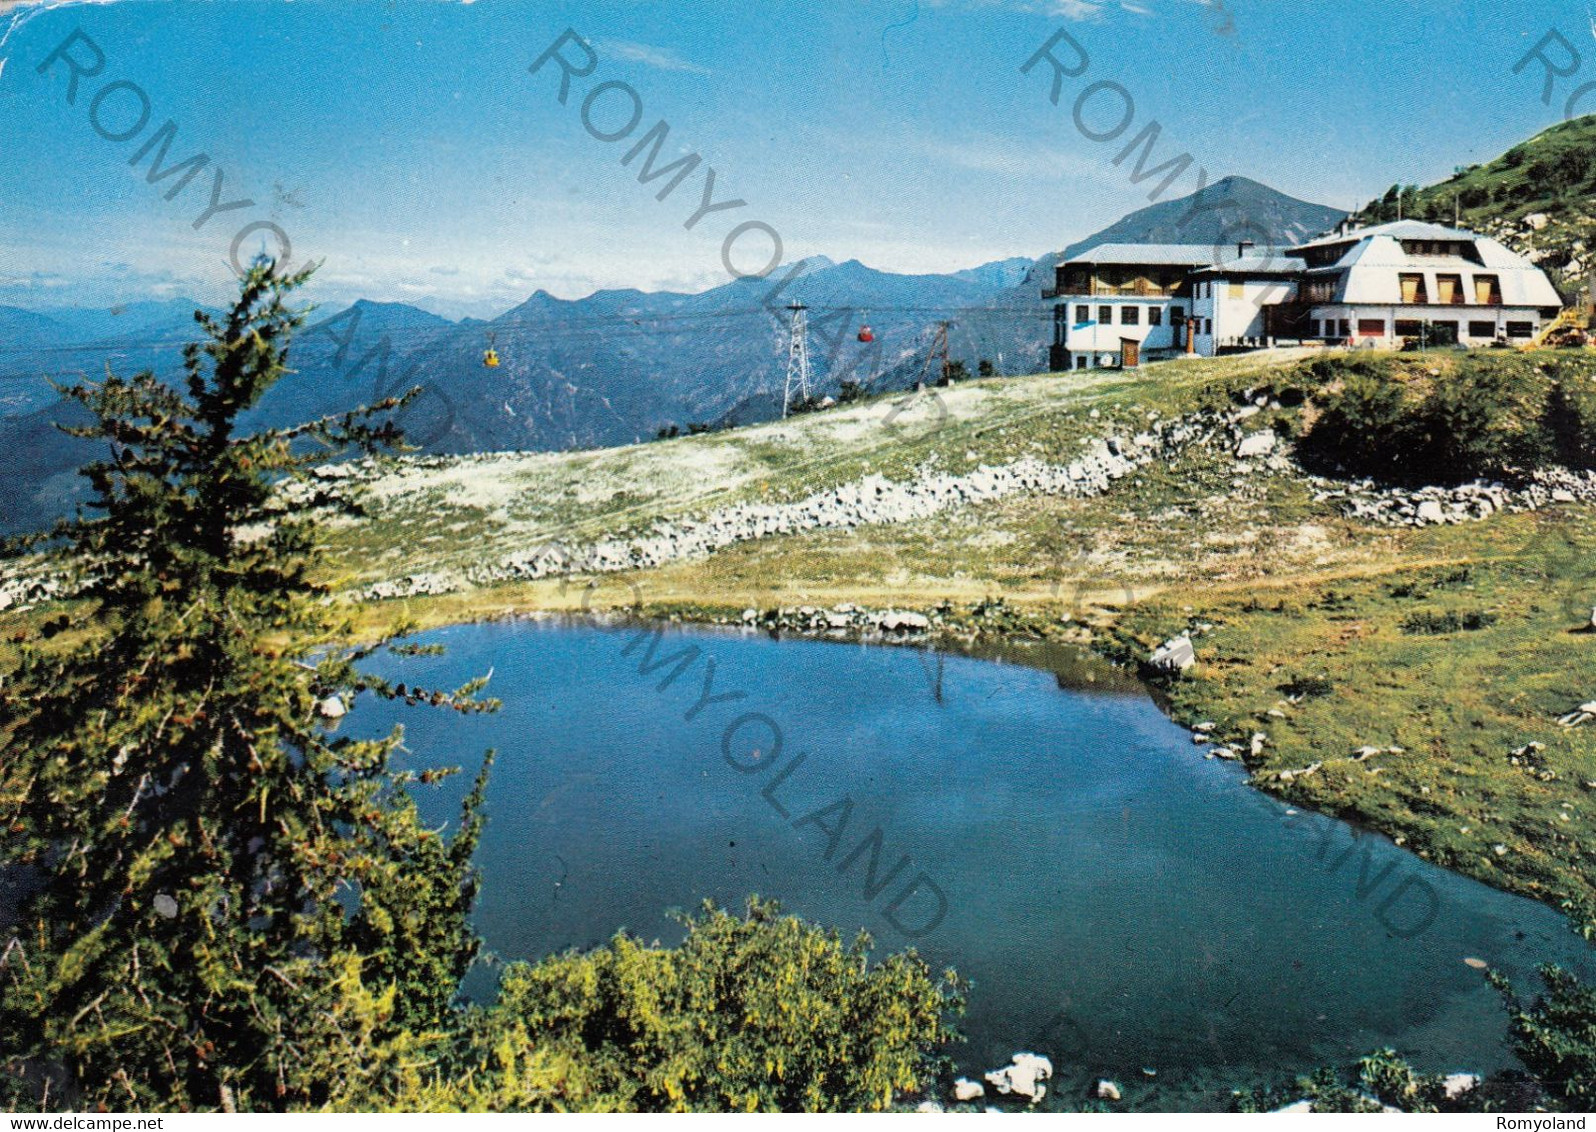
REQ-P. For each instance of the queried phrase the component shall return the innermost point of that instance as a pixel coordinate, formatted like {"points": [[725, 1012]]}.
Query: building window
{"points": [[1482, 330], [1487, 291], [1105, 315], [1155, 316], [1080, 361], [1177, 315], [1238, 290], [1413, 290], [1443, 333], [1449, 290], [1083, 313], [1208, 326], [1521, 330], [1320, 291], [1409, 328], [1371, 328], [1346, 328], [1318, 329], [1130, 316]]}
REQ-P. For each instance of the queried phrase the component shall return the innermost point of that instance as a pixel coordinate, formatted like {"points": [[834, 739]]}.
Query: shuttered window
{"points": [[1413, 289]]}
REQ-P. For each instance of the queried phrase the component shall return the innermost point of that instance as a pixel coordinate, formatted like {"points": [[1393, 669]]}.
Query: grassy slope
{"points": [[484, 507], [1292, 589]]}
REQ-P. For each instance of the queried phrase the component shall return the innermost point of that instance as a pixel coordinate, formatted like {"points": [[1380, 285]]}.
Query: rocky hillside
{"points": [[1538, 198]]}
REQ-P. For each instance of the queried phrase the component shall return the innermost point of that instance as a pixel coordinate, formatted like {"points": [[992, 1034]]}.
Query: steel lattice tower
{"points": [[797, 357]]}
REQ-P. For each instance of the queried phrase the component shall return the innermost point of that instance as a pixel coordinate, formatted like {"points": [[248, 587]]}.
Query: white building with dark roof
{"points": [[1119, 304]]}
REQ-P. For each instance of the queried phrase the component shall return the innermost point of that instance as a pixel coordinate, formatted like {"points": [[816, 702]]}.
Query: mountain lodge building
{"points": [[1120, 304]]}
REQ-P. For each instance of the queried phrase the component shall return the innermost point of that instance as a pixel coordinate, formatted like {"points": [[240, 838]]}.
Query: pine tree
{"points": [[214, 878]]}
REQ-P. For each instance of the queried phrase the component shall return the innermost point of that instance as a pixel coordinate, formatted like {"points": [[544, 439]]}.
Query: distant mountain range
{"points": [[612, 368]]}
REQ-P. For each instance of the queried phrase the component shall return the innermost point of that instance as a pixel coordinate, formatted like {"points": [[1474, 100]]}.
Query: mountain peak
{"points": [[1236, 206]]}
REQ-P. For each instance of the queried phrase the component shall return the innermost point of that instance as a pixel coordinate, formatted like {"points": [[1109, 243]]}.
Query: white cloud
{"points": [[1093, 11], [661, 58]]}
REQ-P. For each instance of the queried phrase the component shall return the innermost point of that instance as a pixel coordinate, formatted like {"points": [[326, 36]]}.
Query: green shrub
{"points": [[757, 1012], [1571, 421], [1434, 624], [1308, 687], [1377, 1081], [1555, 1037], [1484, 416], [1366, 425], [1483, 420]]}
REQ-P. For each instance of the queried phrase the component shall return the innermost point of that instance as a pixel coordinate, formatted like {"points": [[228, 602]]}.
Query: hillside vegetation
{"points": [[1418, 420]]}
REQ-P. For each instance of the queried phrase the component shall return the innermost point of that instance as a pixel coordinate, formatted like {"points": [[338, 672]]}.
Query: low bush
{"points": [[1555, 1037], [1433, 624], [1450, 420], [761, 1012], [1571, 422]]}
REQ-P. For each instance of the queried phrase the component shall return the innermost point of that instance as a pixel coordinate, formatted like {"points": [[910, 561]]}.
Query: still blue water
{"points": [[1118, 901]]}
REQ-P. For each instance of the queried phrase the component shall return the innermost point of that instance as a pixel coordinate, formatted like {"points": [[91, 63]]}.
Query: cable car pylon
{"points": [[797, 357], [939, 353]]}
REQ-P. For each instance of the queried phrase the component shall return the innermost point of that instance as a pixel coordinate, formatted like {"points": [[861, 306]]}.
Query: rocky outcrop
{"points": [[22, 588], [1433, 506], [1581, 715], [845, 620], [415, 585]]}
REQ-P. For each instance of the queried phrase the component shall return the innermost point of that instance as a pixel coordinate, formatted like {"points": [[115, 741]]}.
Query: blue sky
{"points": [[407, 145]]}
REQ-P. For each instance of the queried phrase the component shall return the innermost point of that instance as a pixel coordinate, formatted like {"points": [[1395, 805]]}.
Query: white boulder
{"points": [[332, 708], [1108, 1090], [1174, 655], [965, 1089], [1431, 511], [1257, 444], [1023, 1077], [904, 622], [1456, 1085]]}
